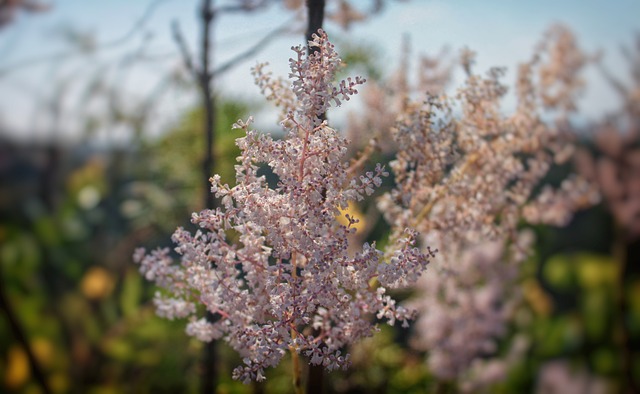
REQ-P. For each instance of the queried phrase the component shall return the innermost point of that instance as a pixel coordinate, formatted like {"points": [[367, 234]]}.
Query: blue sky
{"points": [[503, 33]]}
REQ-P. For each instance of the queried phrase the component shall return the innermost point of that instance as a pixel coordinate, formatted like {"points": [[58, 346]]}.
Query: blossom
{"points": [[612, 162], [561, 377], [273, 264], [467, 175], [465, 305]]}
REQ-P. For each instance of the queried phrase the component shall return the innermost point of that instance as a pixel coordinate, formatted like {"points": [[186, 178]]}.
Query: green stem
{"points": [[297, 374], [620, 257]]}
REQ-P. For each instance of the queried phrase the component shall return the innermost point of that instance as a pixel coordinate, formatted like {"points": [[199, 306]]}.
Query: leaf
{"points": [[595, 308], [596, 271], [604, 361], [117, 348], [46, 231], [557, 271]]}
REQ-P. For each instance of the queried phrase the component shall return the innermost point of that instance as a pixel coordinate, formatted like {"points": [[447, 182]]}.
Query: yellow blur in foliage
{"points": [[353, 211], [97, 283], [596, 271], [18, 370], [43, 351], [537, 297], [587, 270]]}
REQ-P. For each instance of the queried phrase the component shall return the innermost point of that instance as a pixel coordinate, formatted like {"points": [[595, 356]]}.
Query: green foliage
{"points": [[68, 274], [175, 187], [360, 58]]}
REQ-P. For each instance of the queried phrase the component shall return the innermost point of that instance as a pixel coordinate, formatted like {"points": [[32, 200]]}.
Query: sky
{"points": [[503, 33]]}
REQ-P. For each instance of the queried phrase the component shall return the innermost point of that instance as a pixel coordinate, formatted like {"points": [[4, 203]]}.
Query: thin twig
{"points": [[139, 24], [297, 374], [184, 50], [426, 210], [19, 333], [620, 255], [245, 7], [295, 358], [358, 163], [257, 47]]}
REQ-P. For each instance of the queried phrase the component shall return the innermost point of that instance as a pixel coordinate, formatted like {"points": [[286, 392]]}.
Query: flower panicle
{"points": [[272, 262]]}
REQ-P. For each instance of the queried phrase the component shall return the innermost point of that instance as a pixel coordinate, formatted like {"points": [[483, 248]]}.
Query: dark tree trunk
{"points": [[315, 14], [315, 8], [209, 367]]}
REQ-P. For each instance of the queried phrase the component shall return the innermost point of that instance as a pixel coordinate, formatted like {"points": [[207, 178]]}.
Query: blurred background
{"points": [[101, 151]]}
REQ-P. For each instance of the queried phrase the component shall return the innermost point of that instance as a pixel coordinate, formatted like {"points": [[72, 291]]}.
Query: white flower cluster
{"points": [[273, 263]]}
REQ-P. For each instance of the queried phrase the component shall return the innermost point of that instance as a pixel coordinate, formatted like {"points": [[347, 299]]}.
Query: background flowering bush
{"points": [[466, 176]]}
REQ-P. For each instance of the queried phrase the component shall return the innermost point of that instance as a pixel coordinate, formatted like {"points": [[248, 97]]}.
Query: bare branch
{"points": [[244, 6], [615, 83], [21, 337], [137, 26], [184, 50], [257, 47]]}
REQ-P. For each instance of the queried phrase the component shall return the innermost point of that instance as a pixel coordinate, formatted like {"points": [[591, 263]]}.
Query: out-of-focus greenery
{"points": [[67, 269], [174, 186], [81, 303], [66, 266]]}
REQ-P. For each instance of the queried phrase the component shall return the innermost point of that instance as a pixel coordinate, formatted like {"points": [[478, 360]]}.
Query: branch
{"points": [[18, 332], [615, 83], [139, 24], [210, 359], [184, 50], [257, 47], [245, 6]]}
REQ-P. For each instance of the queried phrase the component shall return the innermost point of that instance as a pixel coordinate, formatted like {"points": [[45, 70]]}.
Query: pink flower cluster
{"points": [[273, 264], [467, 175]]}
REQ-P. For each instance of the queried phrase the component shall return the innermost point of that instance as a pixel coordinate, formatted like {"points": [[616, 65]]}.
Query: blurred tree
{"points": [[9, 8]]}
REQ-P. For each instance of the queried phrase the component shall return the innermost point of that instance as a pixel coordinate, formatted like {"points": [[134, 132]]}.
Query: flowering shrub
{"points": [[466, 170], [273, 263], [613, 163], [465, 306], [466, 176]]}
